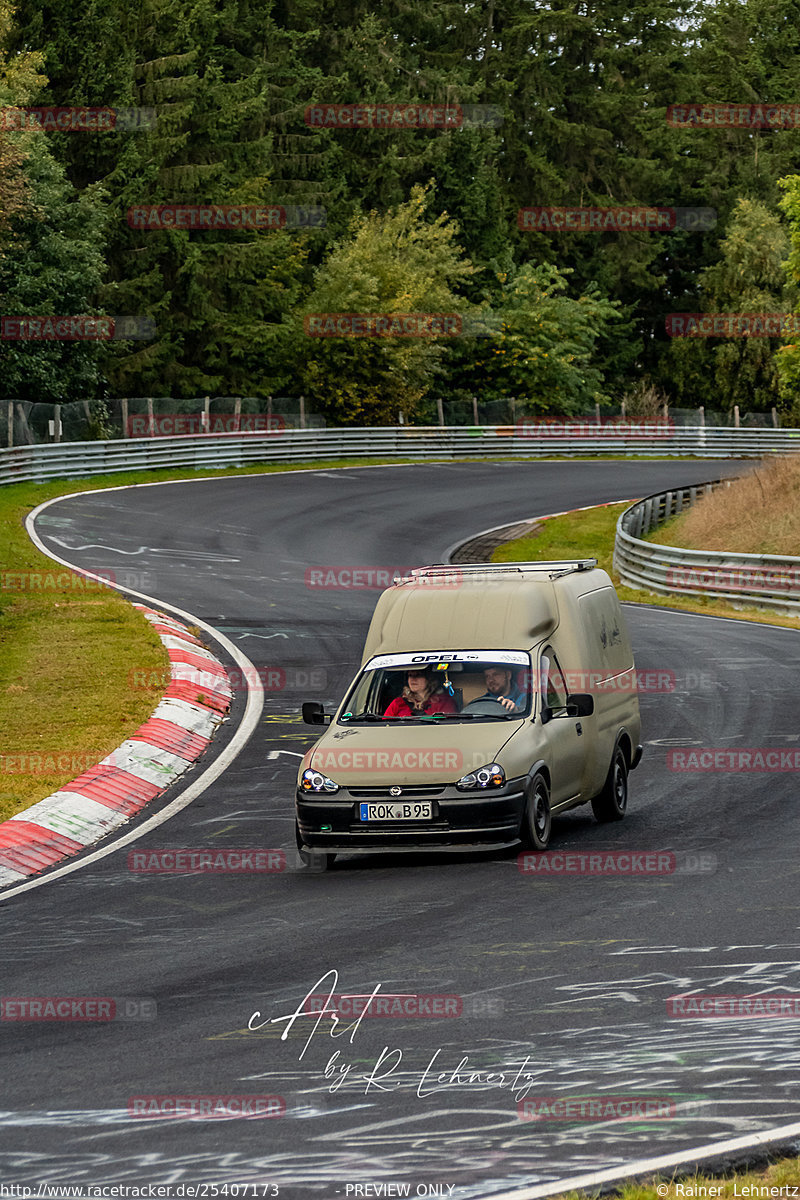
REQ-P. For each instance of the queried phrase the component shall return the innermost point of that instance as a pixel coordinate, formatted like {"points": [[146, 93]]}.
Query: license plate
{"points": [[396, 812]]}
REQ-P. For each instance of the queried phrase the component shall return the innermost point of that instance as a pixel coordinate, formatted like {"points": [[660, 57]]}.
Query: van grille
{"points": [[383, 792]]}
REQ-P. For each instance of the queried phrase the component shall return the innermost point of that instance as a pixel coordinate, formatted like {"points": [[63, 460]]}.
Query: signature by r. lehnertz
{"points": [[385, 1074]]}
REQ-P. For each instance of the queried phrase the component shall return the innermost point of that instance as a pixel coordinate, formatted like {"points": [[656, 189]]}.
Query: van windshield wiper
{"points": [[465, 716], [368, 716]]}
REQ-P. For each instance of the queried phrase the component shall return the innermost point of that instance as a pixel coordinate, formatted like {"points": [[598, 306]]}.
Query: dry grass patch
{"points": [[757, 514], [590, 534]]}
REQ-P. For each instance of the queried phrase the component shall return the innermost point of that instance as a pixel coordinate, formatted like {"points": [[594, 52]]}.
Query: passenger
{"points": [[500, 687], [422, 694]]}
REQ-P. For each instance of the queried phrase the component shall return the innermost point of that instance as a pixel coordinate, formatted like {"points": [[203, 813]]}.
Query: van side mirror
{"points": [[580, 705], [314, 713]]}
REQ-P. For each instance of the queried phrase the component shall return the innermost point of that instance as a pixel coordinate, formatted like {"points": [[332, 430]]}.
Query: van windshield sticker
{"points": [[516, 658]]}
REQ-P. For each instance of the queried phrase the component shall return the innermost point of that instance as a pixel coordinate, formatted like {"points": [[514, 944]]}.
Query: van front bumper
{"points": [[459, 820]]}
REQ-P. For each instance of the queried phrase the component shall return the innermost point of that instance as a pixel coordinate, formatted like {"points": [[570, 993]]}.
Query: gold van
{"points": [[489, 697]]}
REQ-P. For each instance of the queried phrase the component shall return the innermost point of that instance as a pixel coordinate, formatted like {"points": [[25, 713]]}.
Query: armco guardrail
{"points": [[71, 460], [752, 580]]}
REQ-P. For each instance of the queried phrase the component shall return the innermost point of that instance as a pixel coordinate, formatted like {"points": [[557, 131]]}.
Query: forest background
{"points": [[562, 104]]}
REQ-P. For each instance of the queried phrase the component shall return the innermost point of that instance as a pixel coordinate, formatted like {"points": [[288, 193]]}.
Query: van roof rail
{"points": [[554, 568]]}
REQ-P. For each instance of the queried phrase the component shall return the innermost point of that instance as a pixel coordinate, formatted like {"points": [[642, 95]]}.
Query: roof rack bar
{"points": [[575, 564]]}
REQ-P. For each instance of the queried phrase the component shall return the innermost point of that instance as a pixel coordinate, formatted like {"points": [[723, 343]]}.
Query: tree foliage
{"points": [[580, 95]]}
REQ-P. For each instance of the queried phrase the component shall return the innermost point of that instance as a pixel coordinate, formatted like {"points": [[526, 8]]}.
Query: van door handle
{"points": [[579, 729]]}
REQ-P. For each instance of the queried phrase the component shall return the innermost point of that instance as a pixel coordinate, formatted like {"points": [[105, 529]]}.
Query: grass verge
{"points": [[590, 534], [65, 697], [781, 1176]]}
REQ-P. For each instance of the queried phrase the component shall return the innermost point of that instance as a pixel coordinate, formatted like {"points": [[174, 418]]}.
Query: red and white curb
{"points": [[153, 757]]}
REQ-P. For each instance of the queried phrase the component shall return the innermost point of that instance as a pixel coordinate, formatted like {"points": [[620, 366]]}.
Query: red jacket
{"points": [[441, 702]]}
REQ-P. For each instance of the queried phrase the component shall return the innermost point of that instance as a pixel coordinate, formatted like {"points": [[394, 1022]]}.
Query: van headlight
{"points": [[484, 777], [314, 781]]}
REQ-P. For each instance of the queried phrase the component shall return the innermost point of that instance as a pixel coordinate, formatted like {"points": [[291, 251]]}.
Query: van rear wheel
{"points": [[611, 803], [536, 819]]}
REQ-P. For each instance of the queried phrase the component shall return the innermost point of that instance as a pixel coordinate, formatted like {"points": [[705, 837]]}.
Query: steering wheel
{"points": [[486, 708]]}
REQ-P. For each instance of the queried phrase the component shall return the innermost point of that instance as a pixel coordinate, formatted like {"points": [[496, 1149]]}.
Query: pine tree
{"points": [[50, 248]]}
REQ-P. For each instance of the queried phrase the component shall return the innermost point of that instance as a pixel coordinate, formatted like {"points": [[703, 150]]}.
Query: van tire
{"points": [[536, 819], [612, 802], [314, 861]]}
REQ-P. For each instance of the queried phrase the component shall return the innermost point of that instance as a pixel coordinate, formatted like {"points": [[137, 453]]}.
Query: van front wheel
{"points": [[536, 819], [611, 803]]}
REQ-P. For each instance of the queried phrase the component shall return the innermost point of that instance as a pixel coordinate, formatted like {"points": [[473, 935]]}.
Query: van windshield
{"points": [[452, 685]]}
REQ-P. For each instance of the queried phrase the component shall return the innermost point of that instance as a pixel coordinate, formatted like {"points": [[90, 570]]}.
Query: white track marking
{"points": [[650, 1166]]}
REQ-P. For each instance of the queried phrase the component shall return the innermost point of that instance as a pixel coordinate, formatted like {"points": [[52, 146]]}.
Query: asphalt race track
{"points": [[564, 980]]}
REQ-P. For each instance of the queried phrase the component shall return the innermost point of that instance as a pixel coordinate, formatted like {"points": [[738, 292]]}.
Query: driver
{"points": [[500, 687], [423, 693]]}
